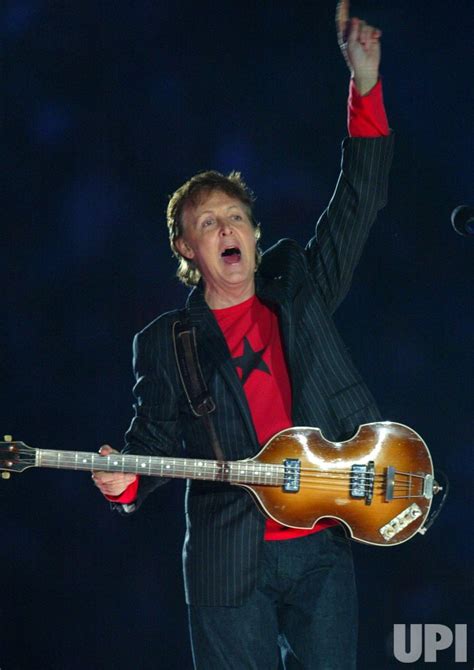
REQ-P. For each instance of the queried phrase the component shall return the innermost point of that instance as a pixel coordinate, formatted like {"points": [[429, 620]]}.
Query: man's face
{"points": [[220, 238]]}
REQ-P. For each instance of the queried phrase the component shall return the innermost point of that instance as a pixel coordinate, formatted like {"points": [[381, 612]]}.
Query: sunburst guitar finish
{"points": [[379, 484]]}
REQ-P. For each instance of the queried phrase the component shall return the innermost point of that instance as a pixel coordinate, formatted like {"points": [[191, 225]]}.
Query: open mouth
{"points": [[231, 255]]}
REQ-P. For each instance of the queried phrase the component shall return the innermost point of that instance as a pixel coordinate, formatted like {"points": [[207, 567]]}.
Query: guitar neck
{"points": [[234, 472]]}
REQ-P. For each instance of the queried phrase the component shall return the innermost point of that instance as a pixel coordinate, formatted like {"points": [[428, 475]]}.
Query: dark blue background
{"points": [[107, 108]]}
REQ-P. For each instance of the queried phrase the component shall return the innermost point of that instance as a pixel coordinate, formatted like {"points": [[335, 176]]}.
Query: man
{"points": [[272, 358]]}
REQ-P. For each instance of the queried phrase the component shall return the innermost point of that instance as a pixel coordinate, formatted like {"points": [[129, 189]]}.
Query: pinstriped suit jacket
{"points": [[224, 527]]}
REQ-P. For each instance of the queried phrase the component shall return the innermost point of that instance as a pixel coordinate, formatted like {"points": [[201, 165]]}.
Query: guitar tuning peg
{"points": [[7, 438], [5, 475]]}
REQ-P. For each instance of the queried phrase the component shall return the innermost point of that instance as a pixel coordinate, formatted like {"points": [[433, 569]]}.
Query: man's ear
{"points": [[183, 248]]}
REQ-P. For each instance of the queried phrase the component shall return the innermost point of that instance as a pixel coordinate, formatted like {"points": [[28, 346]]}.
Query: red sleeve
{"points": [[128, 496], [366, 115]]}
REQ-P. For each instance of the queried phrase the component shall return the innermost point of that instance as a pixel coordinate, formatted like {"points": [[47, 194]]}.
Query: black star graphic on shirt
{"points": [[250, 360]]}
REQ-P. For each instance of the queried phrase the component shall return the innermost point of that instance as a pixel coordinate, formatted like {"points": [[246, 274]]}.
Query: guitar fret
{"points": [[239, 472], [251, 472]]}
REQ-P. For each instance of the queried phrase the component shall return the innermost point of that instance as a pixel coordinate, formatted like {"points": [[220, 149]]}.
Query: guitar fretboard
{"points": [[238, 472]]}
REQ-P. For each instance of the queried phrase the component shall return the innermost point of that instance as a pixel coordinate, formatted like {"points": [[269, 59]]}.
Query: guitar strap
{"points": [[199, 399]]}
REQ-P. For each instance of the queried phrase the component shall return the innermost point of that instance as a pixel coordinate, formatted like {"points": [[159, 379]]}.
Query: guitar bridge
{"points": [[291, 479]]}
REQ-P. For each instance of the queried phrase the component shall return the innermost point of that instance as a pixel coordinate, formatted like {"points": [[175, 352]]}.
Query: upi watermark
{"points": [[412, 642]]}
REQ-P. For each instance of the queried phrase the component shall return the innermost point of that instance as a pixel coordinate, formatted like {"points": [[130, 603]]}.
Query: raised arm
{"points": [[342, 230]]}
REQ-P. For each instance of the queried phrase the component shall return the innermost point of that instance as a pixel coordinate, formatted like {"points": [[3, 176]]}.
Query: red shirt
{"points": [[252, 333]]}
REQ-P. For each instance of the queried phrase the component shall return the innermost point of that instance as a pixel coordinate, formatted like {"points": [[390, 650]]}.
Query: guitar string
{"points": [[330, 486], [77, 457], [305, 473], [404, 496], [355, 477], [336, 480], [334, 487], [231, 465], [367, 485], [306, 477], [315, 472], [397, 492], [398, 497]]}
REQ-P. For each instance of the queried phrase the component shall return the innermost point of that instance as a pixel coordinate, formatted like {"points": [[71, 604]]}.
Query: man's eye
{"points": [[207, 222], [237, 217]]}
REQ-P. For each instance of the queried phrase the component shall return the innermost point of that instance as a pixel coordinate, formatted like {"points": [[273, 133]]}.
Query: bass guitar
{"points": [[379, 484]]}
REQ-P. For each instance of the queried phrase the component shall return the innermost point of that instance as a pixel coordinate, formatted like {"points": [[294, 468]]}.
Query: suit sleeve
{"points": [[154, 428], [342, 230]]}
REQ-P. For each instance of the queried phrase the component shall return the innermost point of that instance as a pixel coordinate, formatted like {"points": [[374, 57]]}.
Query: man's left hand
{"points": [[360, 46]]}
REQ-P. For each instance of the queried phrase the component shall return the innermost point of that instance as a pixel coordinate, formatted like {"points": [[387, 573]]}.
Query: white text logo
{"points": [[430, 637]]}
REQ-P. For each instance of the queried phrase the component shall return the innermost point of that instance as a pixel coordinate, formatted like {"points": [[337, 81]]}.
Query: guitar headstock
{"points": [[15, 456]]}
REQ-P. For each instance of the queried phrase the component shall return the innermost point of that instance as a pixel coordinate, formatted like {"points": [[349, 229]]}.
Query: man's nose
{"points": [[225, 227]]}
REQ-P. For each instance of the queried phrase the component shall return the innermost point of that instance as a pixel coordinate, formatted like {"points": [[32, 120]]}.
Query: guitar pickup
{"points": [[362, 481], [291, 480], [358, 481]]}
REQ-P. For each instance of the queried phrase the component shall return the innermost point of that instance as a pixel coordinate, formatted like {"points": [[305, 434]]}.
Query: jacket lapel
{"points": [[212, 347], [273, 293], [214, 354]]}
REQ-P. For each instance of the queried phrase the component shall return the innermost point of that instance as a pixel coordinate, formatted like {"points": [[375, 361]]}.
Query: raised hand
{"points": [[360, 46]]}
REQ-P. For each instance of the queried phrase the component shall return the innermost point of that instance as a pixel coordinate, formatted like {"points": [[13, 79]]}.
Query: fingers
{"points": [[106, 449], [353, 29], [112, 483], [342, 18], [359, 44], [368, 34], [360, 32]]}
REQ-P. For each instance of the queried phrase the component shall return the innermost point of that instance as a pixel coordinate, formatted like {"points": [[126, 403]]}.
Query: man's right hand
{"points": [[111, 483]]}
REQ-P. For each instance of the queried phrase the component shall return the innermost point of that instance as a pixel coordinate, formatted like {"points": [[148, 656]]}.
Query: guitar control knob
{"points": [[7, 438], [5, 475]]}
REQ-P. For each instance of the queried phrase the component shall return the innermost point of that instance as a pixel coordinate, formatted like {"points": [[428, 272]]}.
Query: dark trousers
{"points": [[302, 615]]}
